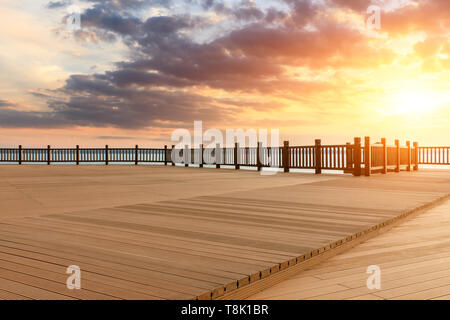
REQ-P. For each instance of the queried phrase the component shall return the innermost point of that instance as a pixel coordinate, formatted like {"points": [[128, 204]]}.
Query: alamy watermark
{"points": [[374, 280], [214, 144], [373, 21], [73, 18], [74, 280]]}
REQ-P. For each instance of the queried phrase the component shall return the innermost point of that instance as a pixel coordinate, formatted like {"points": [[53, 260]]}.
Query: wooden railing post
{"points": [[106, 155], [20, 154], [367, 157], [77, 155], [165, 155], [286, 157], [416, 153], [349, 156], [383, 142], [236, 156], [357, 157], [318, 156], [218, 154], [397, 152], [48, 155], [258, 156], [408, 144], [186, 155], [171, 155], [201, 156], [136, 155]]}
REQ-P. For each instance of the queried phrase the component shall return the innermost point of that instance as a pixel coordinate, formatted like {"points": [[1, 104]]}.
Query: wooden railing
{"points": [[353, 158], [383, 158], [434, 155], [83, 155]]}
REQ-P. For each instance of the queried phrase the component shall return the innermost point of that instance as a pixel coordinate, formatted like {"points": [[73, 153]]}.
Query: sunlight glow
{"points": [[414, 102]]}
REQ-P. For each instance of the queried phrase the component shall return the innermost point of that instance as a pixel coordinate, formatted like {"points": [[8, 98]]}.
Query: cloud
{"points": [[123, 5], [170, 76], [6, 103], [11, 118], [111, 21], [430, 16], [97, 103], [59, 4]]}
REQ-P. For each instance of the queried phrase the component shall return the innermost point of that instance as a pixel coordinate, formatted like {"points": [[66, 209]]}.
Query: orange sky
{"points": [[137, 71]]}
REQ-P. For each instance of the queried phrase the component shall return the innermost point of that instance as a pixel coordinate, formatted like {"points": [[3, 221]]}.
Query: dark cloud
{"points": [[208, 4], [246, 10], [123, 5], [97, 103], [40, 94], [113, 22], [107, 19], [11, 118], [59, 4], [302, 12]]}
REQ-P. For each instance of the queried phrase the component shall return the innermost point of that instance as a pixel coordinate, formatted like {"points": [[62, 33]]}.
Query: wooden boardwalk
{"points": [[182, 233], [414, 259]]}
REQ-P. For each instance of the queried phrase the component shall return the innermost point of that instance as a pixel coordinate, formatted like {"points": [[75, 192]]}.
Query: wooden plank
{"points": [[29, 291], [6, 295]]}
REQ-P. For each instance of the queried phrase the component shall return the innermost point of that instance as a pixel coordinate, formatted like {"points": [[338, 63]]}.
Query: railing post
{"points": [[236, 156], [416, 153], [218, 156], [357, 157], [318, 156], [186, 155], [20, 154], [201, 156], [383, 142], [171, 155], [136, 155], [286, 157], [397, 152], [349, 156], [258, 157], [408, 144], [48, 155], [367, 157], [106, 155], [77, 155], [165, 155]]}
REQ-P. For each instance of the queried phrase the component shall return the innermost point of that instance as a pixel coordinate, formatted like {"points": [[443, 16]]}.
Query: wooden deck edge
{"points": [[257, 282]]}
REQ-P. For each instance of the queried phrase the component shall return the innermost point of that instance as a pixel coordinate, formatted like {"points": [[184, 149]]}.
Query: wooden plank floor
{"points": [[202, 245], [414, 258]]}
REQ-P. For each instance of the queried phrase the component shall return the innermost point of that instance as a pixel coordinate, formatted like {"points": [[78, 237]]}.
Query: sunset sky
{"points": [[138, 69]]}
